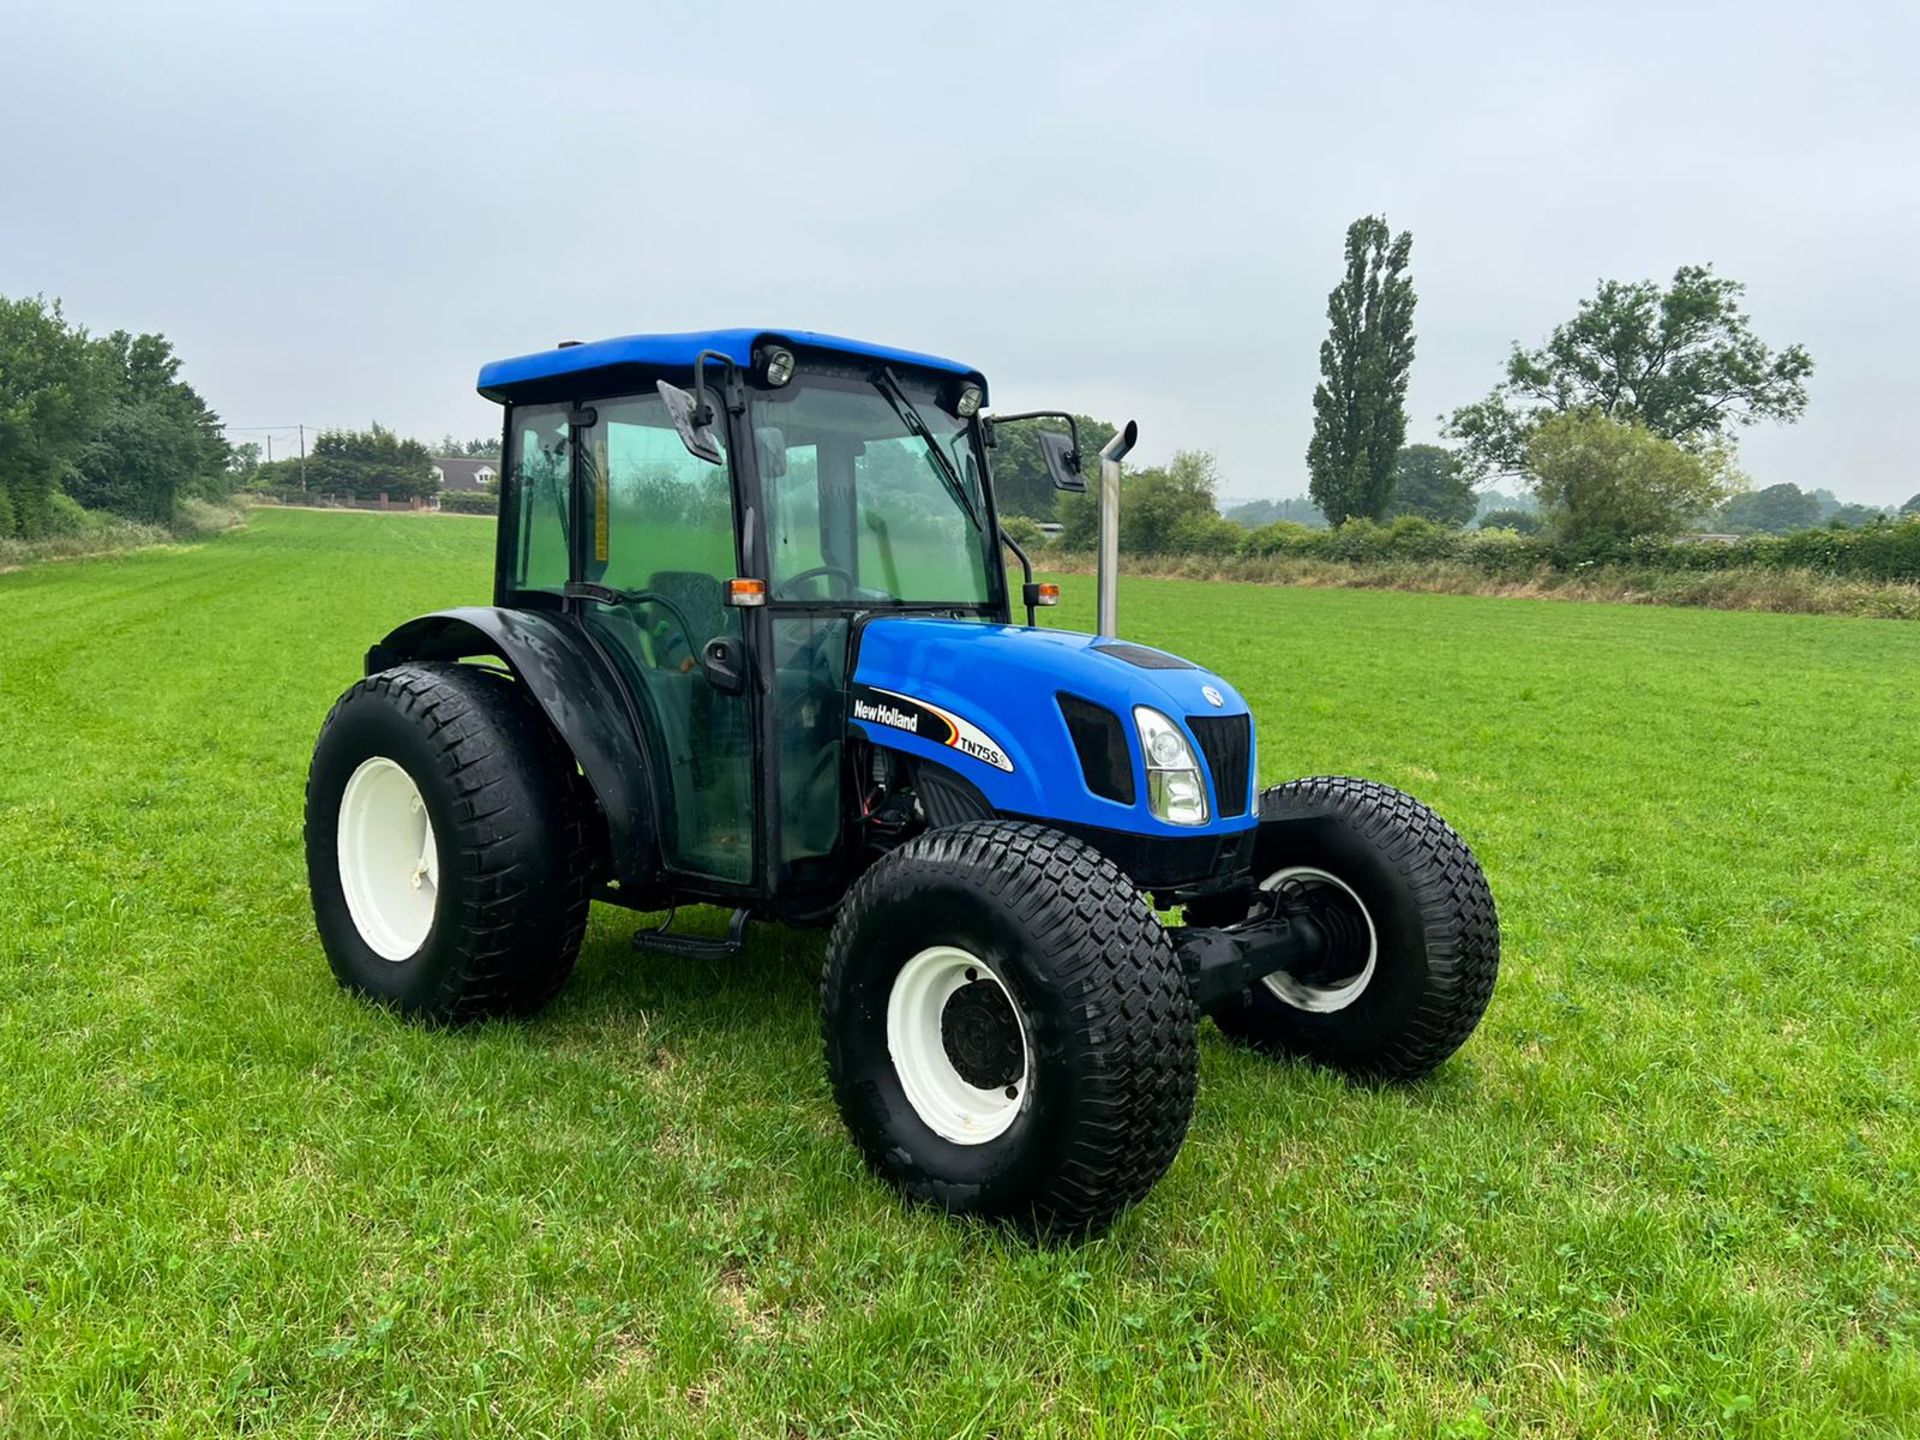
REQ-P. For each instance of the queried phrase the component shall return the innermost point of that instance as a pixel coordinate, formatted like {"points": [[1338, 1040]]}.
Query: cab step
{"points": [[695, 947]]}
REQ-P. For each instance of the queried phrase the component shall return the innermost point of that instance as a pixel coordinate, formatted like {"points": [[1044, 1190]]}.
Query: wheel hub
{"points": [[1349, 937], [981, 1035], [1353, 944], [958, 1045], [389, 862]]}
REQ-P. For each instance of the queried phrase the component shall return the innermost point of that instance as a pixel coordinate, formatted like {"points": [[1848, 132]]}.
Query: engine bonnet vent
{"points": [[1145, 656]]}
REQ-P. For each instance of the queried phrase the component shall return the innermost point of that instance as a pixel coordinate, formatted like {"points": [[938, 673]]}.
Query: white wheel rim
{"points": [[1322, 999], [951, 1106], [389, 865]]}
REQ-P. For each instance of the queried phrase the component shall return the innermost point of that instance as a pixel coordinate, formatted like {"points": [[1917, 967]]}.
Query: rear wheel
{"points": [[447, 848], [1415, 937], [1007, 1028]]}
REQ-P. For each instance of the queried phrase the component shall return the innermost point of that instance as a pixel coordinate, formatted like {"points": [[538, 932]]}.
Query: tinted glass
{"points": [[861, 506], [658, 527], [655, 508], [539, 470], [810, 665]]}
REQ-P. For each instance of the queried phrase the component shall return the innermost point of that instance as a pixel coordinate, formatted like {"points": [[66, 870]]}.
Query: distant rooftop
{"points": [[464, 472]]}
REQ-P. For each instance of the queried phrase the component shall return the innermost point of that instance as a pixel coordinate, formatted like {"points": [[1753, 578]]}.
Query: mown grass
{"points": [[1672, 1186]]}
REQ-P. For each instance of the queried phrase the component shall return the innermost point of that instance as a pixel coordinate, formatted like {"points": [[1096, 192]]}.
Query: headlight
{"points": [[968, 401], [1175, 791]]}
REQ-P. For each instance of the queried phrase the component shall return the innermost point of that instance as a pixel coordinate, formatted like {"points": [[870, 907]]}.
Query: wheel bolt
{"points": [[1013, 1092], [972, 974]]}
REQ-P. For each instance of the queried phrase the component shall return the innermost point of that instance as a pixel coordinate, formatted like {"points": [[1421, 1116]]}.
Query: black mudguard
{"points": [[575, 691]]}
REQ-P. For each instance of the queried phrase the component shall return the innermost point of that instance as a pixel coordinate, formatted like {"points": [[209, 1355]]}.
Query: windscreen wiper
{"points": [[889, 387]]}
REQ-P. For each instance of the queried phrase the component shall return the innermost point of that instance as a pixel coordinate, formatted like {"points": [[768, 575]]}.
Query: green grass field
{"points": [[1672, 1186]]}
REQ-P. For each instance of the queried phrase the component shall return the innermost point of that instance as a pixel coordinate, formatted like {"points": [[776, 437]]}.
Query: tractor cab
{"points": [[718, 517]]}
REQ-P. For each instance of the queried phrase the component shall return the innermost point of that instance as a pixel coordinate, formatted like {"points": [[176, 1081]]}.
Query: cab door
{"points": [[655, 526]]}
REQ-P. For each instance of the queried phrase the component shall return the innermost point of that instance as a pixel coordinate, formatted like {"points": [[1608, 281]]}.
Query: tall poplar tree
{"points": [[1360, 404]]}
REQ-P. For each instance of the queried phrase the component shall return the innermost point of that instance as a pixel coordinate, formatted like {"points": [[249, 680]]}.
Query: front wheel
{"points": [[1008, 1030], [1405, 899]]}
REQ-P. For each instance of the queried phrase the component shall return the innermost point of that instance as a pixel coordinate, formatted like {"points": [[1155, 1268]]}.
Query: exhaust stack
{"points": [[1107, 593]]}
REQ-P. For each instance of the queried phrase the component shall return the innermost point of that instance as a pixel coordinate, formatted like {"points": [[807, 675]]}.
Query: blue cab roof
{"points": [[500, 380]]}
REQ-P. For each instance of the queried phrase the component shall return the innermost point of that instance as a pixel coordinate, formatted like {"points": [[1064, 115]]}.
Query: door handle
{"points": [[723, 662]]}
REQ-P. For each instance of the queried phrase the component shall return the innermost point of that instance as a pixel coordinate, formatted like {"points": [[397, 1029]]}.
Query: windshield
{"points": [[861, 506]]}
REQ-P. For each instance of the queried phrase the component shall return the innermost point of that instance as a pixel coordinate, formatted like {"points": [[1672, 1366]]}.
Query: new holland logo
{"points": [[886, 715], [874, 706]]}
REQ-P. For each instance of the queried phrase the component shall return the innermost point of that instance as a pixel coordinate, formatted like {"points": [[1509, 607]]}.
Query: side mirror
{"points": [[1063, 461], [697, 438], [1060, 452]]}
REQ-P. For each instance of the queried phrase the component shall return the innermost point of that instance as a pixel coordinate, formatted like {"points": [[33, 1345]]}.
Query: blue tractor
{"points": [[753, 643]]}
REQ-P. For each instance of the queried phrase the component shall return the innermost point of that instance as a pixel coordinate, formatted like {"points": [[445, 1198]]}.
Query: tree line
{"points": [[1621, 425], [97, 423], [371, 464], [94, 425]]}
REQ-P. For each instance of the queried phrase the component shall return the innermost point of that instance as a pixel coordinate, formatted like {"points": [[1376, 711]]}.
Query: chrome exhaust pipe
{"points": [[1107, 586]]}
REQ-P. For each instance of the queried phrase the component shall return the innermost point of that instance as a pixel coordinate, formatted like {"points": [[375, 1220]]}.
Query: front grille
{"points": [[1227, 742], [1101, 744]]}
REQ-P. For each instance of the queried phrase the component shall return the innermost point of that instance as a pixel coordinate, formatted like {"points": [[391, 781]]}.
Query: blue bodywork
{"points": [[500, 379], [1004, 680]]}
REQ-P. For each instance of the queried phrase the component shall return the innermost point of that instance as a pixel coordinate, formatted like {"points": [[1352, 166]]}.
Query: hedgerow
{"points": [[1889, 551]]}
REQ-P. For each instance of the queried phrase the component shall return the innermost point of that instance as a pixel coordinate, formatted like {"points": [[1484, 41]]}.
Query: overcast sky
{"points": [[338, 211]]}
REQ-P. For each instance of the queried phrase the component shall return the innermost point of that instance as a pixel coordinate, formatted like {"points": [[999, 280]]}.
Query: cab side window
{"points": [[655, 509], [539, 469]]}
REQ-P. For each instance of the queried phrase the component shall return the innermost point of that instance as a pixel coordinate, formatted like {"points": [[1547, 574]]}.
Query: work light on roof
{"points": [[969, 402], [779, 365]]}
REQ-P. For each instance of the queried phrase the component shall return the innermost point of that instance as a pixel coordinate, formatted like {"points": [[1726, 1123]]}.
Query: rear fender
{"points": [[574, 689]]}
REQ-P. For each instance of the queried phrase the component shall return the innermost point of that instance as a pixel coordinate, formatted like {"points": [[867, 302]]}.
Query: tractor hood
{"points": [[986, 701]]}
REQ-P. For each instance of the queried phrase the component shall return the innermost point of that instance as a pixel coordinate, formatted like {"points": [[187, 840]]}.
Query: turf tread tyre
{"points": [[1120, 1027], [1431, 1001], [512, 826]]}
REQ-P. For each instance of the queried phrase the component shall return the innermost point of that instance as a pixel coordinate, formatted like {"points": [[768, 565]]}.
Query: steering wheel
{"points": [[815, 573]]}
